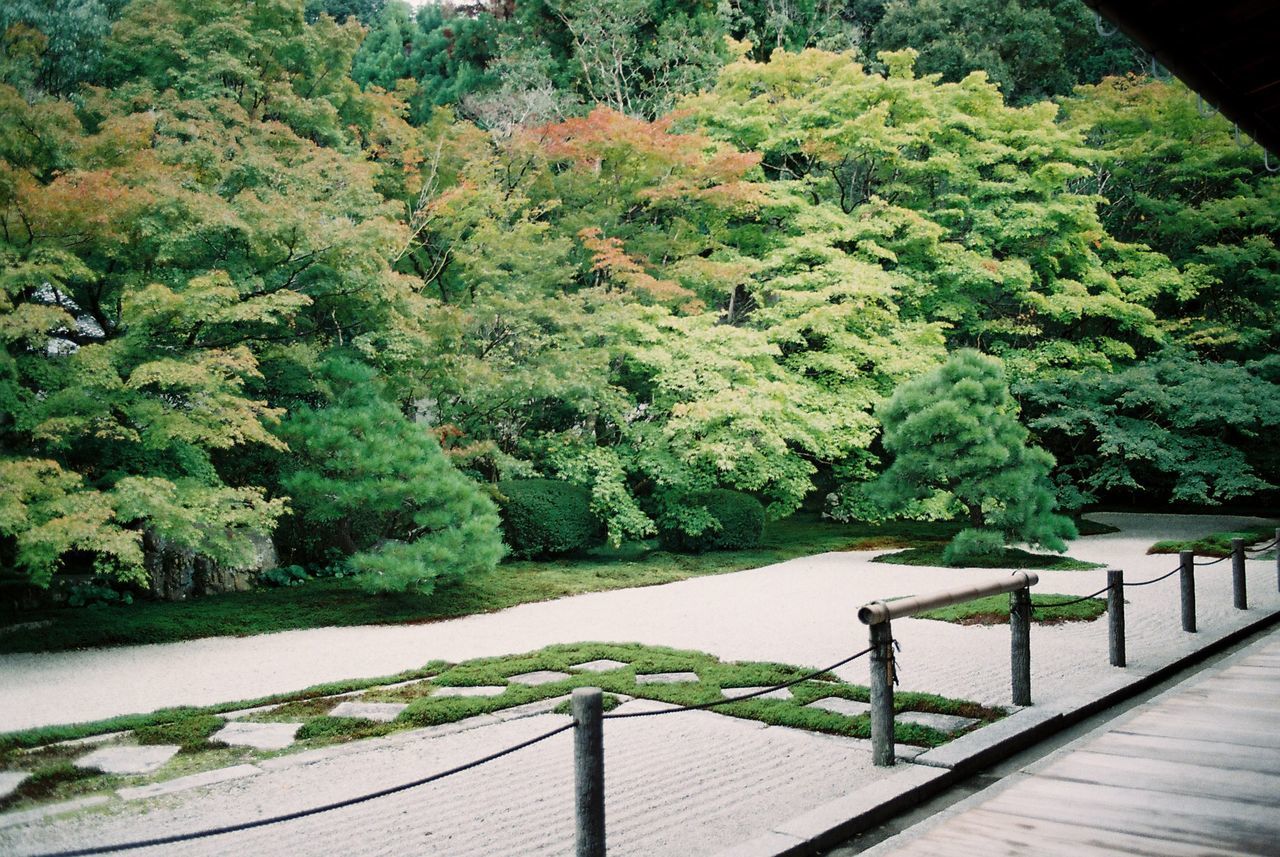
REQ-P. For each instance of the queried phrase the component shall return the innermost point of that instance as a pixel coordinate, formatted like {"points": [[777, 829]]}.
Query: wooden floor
{"points": [[1195, 771]]}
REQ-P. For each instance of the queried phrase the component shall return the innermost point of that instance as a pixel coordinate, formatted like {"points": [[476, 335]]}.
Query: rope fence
{"points": [[587, 703], [475, 763]]}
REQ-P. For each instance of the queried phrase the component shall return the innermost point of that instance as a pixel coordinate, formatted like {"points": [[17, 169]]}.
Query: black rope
{"points": [[1042, 606], [263, 822], [1155, 579], [1268, 546], [1214, 562], [745, 696]]}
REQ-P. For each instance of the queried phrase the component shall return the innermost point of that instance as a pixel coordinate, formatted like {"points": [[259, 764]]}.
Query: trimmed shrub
{"points": [[544, 517], [971, 545], [738, 524]]}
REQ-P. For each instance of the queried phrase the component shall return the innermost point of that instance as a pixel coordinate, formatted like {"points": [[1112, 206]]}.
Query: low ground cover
{"points": [[332, 601], [45, 753], [931, 555], [994, 610], [1214, 544]]}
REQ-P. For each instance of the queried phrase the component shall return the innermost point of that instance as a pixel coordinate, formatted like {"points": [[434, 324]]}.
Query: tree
{"points": [[968, 201], [955, 430], [379, 483], [67, 39], [1172, 427], [178, 252], [1178, 180], [1033, 49]]}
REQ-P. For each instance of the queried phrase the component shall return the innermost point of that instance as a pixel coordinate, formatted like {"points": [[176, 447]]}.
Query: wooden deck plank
{"points": [[1182, 818], [1196, 751], [1164, 773], [1174, 725], [993, 834], [1195, 772]]}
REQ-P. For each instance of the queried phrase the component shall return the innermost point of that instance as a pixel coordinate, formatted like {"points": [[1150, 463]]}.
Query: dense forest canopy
{"points": [[331, 270]]}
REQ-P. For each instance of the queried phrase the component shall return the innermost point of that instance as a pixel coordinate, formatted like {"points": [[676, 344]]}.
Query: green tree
{"points": [[1032, 49], [66, 39], [1171, 427], [967, 200], [178, 251], [1177, 180], [955, 430], [379, 482]]}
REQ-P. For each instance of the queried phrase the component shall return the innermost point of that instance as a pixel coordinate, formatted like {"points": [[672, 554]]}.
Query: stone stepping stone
{"points": [[539, 677], [9, 782], [479, 690], [191, 781], [840, 705], [260, 736], [941, 722], [601, 666], [129, 760], [382, 712], [666, 678], [781, 693]]}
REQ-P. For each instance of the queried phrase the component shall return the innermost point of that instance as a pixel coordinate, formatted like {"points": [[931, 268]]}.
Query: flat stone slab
{"points": [[478, 690], [781, 693], [941, 722], [840, 705], [260, 736], [539, 677], [666, 678], [192, 781], [601, 666], [129, 760], [9, 782], [383, 712]]}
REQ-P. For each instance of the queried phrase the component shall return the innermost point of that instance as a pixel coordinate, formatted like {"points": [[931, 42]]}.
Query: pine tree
{"points": [[956, 430], [381, 486]]}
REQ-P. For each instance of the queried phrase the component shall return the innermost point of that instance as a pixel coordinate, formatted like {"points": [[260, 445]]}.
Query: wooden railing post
{"points": [[586, 704], [1187, 578], [1020, 644], [1115, 615], [1278, 559], [882, 749], [1239, 591]]}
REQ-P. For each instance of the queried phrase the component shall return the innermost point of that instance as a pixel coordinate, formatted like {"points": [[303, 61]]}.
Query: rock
{"points": [[176, 572]]}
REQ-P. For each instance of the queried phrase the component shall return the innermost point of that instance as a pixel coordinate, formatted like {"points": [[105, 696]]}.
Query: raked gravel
{"points": [[800, 612]]}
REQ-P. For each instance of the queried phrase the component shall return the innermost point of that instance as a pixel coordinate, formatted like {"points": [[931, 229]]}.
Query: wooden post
{"points": [[882, 750], [1115, 615], [1187, 577], [1238, 590], [586, 703], [1020, 644], [1278, 559]]}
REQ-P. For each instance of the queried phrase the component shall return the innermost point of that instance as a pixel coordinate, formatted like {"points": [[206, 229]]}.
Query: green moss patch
{"points": [[994, 610], [931, 555], [1214, 544]]}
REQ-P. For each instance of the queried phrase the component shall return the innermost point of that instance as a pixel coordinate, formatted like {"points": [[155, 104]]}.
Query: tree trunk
{"points": [[975, 514]]}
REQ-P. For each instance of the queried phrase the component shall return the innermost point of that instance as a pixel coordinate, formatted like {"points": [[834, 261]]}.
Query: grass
{"points": [[340, 601], [1009, 558], [58, 779], [1214, 544], [994, 610]]}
